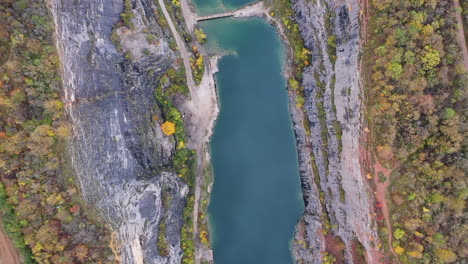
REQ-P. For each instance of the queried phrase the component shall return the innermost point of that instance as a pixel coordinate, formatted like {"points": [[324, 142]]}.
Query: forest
{"points": [[40, 204], [415, 85]]}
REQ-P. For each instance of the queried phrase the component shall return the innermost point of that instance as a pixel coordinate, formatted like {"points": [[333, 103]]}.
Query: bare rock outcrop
{"points": [[333, 106], [119, 154]]}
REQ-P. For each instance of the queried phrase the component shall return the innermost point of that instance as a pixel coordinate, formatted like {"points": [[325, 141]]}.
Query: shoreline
{"points": [[204, 109], [204, 159], [302, 142]]}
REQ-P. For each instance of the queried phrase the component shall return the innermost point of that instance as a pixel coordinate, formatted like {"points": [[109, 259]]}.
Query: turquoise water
{"points": [[256, 199], [205, 7]]}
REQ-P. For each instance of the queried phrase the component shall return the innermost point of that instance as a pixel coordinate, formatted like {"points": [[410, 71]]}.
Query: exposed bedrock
{"points": [[120, 156], [334, 111], [308, 241]]}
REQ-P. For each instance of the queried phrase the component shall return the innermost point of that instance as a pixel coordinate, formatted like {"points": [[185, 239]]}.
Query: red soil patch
{"points": [[381, 210], [357, 252], [335, 247]]}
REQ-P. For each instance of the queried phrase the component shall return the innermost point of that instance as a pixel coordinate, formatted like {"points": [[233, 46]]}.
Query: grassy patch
{"points": [[339, 134], [127, 15], [331, 48], [342, 193]]}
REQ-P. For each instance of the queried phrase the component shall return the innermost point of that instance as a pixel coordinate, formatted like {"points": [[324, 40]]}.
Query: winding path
{"points": [[381, 191]]}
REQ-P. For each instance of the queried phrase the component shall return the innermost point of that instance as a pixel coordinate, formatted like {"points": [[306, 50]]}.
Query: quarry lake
{"points": [[256, 198]]}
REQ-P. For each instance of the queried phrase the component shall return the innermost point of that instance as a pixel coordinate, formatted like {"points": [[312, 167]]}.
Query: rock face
{"points": [[120, 156], [308, 241], [333, 108]]}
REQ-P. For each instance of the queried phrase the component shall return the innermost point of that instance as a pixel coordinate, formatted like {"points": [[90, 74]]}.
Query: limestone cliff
{"points": [[120, 156], [330, 30]]}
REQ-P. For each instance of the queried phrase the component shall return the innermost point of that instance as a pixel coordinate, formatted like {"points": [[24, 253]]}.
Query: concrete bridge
{"points": [[255, 9], [214, 16]]}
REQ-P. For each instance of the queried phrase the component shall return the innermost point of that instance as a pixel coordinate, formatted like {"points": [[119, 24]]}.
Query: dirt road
{"points": [[8, 253], [189, 16], [461, 34], [181, 46]]}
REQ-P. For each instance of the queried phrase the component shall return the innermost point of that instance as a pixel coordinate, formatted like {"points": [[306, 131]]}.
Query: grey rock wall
{"points": [[120, 156], [333, 93]]}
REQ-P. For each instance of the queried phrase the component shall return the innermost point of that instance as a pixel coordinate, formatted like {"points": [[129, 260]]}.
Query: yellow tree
{"points": [[168, 128], [200, 35]]}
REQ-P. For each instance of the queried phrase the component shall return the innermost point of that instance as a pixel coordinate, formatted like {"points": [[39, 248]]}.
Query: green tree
{"points": [[431, 58], [396, 70], [200, 35], [449, 113], [173, 114], [399, 233]]}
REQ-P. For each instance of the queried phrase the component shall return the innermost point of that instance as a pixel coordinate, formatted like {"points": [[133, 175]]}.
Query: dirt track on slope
{"points": [[380, 189], [461, 35], [8, 253]]}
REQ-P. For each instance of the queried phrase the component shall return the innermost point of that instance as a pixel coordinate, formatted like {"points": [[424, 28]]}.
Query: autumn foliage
{"points": [[39, 206], [416, 90], [81, 252], [168, 128]]}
